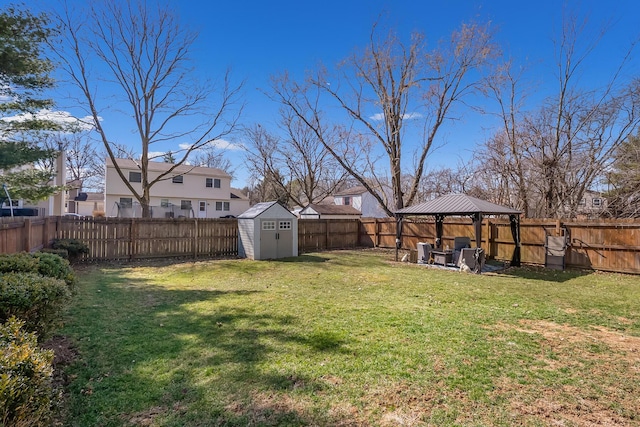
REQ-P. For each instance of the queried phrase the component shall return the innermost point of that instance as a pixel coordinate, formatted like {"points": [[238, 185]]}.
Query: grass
{"points": [[351, 338]]}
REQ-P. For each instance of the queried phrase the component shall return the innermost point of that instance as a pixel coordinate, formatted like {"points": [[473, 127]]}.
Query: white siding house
{"points": [[189, 191], [359, 198]]}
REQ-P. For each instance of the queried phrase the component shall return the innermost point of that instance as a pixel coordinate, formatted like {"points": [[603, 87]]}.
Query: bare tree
{"points": [[308, 172], [84, 163], [212, 157], [553, 154], [144, 61], [387, 87]]}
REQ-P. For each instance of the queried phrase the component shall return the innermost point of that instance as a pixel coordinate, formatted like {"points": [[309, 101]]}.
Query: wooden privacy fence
{"points": [[321, 234], [26, 234], [136, 238], [608, 245]]}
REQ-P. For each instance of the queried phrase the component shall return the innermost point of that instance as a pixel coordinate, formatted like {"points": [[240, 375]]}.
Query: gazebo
{"points": [[463, 205]]}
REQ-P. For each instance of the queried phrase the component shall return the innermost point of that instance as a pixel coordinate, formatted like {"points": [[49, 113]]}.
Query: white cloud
{"points": [[59, 117], [220, 144], [156, 156], [409, 116]]}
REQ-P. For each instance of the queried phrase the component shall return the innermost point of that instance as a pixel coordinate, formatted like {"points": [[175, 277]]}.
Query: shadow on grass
{"points": [[157, 356], [303, 259], [542, 273]]}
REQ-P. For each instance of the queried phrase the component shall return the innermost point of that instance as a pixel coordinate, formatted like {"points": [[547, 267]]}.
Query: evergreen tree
{"points": [[623, 199], [24, 75]]}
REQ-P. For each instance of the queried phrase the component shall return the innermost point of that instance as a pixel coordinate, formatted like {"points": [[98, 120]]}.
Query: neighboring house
{"points": [[84, 203], [189, 191], [359, 198], [52, 206], [329, 212], [592, 205]]}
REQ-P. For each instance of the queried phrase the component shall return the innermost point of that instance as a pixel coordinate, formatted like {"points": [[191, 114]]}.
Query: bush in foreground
{"points": [[46, 264], [35, 299], [26, 390]]}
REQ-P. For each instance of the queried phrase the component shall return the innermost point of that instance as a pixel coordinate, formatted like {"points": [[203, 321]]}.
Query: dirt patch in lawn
{"points": [[593, 377], [556, 335]]}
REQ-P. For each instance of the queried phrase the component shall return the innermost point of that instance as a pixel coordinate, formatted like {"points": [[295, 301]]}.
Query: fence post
{"points": [[132, 237], [326, 233], [26, 243], [45, 232], [376, 234]]}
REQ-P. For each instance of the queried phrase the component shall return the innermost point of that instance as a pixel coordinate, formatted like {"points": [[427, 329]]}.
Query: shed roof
{"points": [[457, 204], [259, 208]]}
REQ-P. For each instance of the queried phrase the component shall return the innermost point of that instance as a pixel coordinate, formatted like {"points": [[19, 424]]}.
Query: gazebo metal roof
{"points": [[462, 205], [457, 204]]}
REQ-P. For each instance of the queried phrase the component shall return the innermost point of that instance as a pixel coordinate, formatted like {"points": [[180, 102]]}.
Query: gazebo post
{"points": [[477, 222], [398, 233], [515, 231], [439, 226]]}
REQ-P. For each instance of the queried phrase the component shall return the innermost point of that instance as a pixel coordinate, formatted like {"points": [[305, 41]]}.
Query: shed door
{"points": [[285, 238], [276, 238], [268, 241]]}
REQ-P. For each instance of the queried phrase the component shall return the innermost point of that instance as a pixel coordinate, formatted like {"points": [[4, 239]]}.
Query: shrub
{"points": [[53, 265], [62, 253], [21, 262], [46, 264], [35, 299], [26, 390], [74, 247]]}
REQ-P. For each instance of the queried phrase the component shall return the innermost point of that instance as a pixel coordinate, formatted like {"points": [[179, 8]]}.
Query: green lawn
{"points": [[351, 338]]}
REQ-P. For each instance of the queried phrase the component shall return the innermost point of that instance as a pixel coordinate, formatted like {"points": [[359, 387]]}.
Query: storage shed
{"points": [[267, 231]]}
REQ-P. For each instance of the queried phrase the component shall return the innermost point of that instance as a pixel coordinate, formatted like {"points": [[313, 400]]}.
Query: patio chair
{"points": [[459, 243], [473, 257], [424, 253]]}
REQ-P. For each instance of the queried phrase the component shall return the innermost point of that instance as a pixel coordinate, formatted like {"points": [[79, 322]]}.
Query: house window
{"points": [[185, 205], [218, 206], [583, 202], [225, 206], [268, 225], [346, 201], [135, 177], [164, 203], [177, 179], [216, 183], [126, 202], [209, 182], [597, 201], [284, 225], [202, 206]]}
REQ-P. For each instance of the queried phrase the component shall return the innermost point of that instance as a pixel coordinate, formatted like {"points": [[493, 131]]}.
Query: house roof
{"points": [[161, 167], [93, 196], [352, 191], [457, 204], [332, 209], [237, 194]]}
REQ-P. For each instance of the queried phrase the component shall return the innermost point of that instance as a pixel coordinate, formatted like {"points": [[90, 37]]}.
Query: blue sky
{"points": [[258, 39]]}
